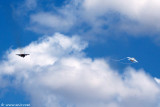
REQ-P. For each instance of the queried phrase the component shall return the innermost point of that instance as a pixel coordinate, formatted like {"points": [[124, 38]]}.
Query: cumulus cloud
{"points": [[49, 22], [57, 73], [96, 17], [140, 13]]}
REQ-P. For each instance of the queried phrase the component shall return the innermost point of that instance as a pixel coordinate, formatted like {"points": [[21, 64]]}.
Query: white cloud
{"points": [[143, 13], [57, 73], [132, 16], [44, 22]]}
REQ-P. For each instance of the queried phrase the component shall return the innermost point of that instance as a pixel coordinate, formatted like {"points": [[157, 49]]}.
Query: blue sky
{"points": [[74, 33]]}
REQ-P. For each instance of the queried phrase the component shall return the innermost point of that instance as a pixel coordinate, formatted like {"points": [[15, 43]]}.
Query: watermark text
{"points": [[15, 105]]}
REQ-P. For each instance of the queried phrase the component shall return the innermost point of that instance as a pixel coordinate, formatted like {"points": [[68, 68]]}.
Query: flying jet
{"points": [[22, 55], [132, 59]]}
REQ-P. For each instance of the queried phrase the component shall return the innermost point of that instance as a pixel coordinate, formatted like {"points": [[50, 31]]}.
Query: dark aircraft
{"points": [[22, 55]]}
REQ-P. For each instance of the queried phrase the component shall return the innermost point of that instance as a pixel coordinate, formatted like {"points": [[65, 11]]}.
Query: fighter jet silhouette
{"points": [[22, 55]]}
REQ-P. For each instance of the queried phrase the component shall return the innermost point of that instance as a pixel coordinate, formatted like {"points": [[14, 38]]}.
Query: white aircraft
{"points": [[132, 59]]}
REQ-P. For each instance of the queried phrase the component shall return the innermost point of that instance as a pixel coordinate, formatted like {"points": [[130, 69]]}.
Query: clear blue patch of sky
{"points": [[12, 95]]}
